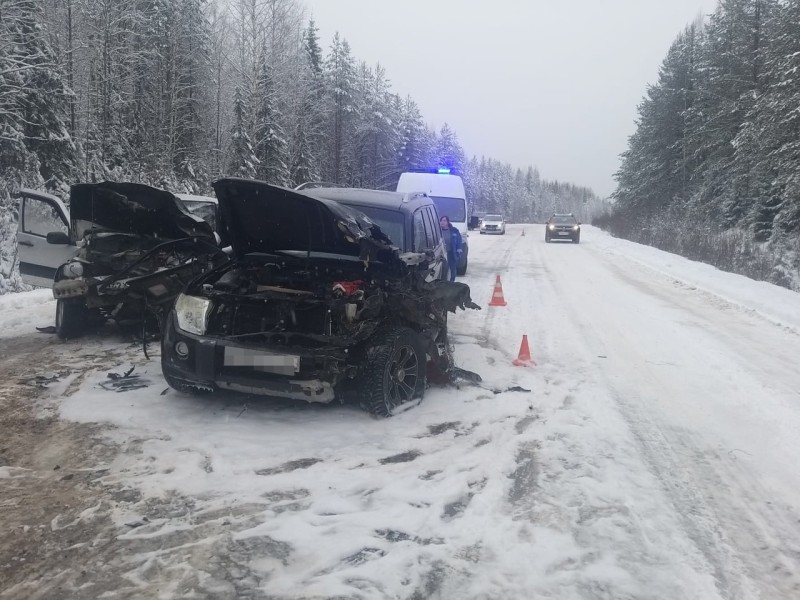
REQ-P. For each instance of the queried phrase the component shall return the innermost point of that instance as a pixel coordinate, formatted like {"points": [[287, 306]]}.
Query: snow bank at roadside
{"points": [[24, 311], [779, 305]]}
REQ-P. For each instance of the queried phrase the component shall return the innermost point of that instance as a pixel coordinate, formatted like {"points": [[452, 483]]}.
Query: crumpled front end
{"points": [[296, 326], [135, 272]]}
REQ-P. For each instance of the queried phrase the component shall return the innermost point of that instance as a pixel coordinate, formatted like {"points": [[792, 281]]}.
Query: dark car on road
{"points": [[562, 227], [331, 294]]}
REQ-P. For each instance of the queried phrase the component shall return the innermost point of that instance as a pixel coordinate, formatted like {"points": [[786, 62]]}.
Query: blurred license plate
{"points": [[283, 364], [563, 233]]}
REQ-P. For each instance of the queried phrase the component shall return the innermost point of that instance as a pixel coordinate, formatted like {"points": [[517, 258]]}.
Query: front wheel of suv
{"points": [[393, 371], [72, 317], [577, 239]]}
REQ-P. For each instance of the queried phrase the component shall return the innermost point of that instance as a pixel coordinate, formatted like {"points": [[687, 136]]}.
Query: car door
{"points": [[39, 215]]}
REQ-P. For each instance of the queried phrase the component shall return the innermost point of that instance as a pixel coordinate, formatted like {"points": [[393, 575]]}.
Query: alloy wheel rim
{"points": [[403, 375]]}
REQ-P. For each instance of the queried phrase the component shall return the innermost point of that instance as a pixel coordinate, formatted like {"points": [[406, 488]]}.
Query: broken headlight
{"points": [[192, 313], [73, 270]]}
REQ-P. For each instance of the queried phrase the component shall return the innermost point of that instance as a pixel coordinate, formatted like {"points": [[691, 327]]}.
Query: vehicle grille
{"points": [[274, 316]]}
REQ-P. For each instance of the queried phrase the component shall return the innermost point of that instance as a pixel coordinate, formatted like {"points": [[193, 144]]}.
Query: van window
{"points": [[454, 208]]}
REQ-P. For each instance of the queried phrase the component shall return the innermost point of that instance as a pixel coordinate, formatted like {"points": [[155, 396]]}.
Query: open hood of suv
{"points": [[262, 218], [133, 208]]}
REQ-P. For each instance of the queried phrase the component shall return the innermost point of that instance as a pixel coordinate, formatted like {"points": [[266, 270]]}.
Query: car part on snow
{"points": [[460, 376], [124, 382], [513, 388]]}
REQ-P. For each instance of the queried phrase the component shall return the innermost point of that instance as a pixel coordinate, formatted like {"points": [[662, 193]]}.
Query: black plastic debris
{"points": [[513, 388], [123, 376], [137, 523], [458, 376], [124, 382], [43, 380]]}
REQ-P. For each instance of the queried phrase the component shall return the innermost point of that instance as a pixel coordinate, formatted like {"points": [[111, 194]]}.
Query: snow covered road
{"points": [[654, 456]]}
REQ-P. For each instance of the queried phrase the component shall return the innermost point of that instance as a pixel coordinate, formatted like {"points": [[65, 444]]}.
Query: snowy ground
{"points": [[654, 456]]}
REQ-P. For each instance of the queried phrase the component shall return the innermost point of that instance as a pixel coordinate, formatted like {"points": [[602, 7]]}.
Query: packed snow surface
{"points": [[654, 455]]}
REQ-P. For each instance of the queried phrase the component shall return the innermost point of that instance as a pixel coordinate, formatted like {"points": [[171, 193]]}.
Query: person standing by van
{"points": [[452, 244]]}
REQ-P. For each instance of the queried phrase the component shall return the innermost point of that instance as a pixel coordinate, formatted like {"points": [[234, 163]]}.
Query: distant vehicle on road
{"points": [[562, 227], [493, 224], [475, 220]]}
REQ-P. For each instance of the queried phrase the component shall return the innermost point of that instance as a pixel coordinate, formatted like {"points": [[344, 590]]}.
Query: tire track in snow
{"points": [[748, 542]]}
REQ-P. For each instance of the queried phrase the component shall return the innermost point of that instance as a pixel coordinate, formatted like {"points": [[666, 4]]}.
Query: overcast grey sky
{"points": [[550, 83]]}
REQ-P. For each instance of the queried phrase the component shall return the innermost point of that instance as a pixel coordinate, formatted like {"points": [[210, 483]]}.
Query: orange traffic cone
{"points": [[524, 359], [497, 295]]}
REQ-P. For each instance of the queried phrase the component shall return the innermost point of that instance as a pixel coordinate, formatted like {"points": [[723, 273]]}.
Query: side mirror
{"points": [[57, 237]]}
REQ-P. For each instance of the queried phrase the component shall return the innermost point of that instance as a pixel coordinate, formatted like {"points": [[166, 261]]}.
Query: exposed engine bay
{"points": [[287, 300]]}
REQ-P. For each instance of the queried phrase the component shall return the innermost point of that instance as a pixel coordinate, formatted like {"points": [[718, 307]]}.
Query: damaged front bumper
{"points": [[70, 288], [207, 363]]}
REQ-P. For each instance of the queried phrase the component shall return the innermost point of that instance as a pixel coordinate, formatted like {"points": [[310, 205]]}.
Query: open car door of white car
{"points": [[43, 237]]}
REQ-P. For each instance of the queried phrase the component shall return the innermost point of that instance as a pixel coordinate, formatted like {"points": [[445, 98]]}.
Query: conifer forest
{"points": [[712, 171], [176, 93]]}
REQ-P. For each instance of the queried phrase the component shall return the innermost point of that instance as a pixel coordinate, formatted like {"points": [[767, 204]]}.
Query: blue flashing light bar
{"points": [[443, 170]]}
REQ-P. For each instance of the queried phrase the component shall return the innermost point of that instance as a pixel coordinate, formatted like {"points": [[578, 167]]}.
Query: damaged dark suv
{"points": [[317, 304]]}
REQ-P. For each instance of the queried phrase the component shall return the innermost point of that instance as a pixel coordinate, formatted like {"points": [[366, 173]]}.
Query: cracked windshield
{"points": [[304, 299]]}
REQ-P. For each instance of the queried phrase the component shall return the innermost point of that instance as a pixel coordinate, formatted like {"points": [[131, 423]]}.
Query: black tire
{"points": [[576, 240], [547, 239], [393, 371], [462, 270], [72, 318]]}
